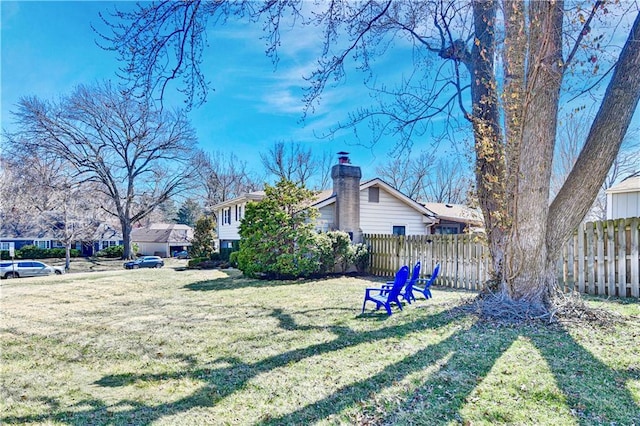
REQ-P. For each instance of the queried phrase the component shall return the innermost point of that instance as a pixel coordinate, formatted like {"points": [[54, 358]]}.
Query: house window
{"points": [[104, 244], [399, 230], [374, 194], [226, 216], [448, 230], [6, 246], [43, 244], [236, 213]]}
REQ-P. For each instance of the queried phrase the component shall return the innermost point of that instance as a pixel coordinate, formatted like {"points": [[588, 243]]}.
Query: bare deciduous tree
{"points": [[225, 177], [138, 157], [292, 162], [44, 200], [407, 173], [289, 161]]}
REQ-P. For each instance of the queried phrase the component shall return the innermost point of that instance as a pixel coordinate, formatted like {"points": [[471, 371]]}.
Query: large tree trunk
{"points": [[67, 258], [526, 275], [126, 238]]}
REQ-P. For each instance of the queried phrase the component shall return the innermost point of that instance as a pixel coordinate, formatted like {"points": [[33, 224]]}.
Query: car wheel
{"points": [[135, 266], [58, 272], [158, 266], [12, 275]]}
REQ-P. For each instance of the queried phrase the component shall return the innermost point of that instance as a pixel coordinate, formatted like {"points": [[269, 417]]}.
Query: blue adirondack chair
{"points": [[407, 290], [426, 289], [383, 297]]}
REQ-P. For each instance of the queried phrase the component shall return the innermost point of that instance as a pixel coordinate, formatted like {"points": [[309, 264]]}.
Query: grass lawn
{"points": [[210, 347]]}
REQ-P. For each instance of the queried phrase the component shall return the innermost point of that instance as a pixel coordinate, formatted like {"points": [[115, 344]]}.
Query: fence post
{"points": [[634, 227], [611, 257], [622, 258], [600, 257]]}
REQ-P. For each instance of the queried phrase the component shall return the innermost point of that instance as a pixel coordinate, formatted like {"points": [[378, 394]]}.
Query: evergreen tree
{"points": [[203, 243], [188, 213], [277, 234]]}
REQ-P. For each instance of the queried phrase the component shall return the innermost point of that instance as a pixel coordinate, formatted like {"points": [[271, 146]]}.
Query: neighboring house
{"points": [[370, 207], [105, 236], [623, 199], [455, 218], [42, 241], [162, 239]]}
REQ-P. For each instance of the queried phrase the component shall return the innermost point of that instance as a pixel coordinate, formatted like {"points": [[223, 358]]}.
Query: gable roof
{"points": [[330, 198], [456, 213], [163, 233], [630, 184], [327, 197], [248, 196]]}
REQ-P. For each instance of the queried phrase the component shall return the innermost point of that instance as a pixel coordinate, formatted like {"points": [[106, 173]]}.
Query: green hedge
{"points": [[33, 252], [112, 251]]}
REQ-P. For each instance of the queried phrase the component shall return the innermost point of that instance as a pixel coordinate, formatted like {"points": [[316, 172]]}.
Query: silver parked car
{"points": [[145, 262], [27, 268]]}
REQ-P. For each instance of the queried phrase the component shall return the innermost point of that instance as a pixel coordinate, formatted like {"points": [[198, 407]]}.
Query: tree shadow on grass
{"points": [[471, 351], [237, 281]]}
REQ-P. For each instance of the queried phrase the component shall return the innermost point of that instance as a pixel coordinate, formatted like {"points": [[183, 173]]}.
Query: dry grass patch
{"points": [[209, 347]]}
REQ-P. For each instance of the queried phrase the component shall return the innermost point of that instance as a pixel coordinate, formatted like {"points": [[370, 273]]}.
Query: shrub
{"points": [[206, 263], [196, 261], [333, 249], [112, 252], [233, 259], [34, 252], [203, 242], [359, 255], [277, 236]]}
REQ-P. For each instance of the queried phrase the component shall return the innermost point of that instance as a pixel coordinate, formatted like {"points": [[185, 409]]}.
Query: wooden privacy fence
{"points": [[602, 258], [464, 259]]}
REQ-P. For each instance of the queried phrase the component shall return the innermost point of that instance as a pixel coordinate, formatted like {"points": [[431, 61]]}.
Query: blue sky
{"points": [[49, 47]]}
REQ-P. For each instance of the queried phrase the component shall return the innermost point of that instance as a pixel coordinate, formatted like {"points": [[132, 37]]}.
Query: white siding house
{"points": [[623, 199], [383, 210], [228, 216]]}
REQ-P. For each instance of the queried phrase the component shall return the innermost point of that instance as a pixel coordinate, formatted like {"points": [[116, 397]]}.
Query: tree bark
{"points": [[489, 146], [67, 259], [526, 277], [127, 253]]}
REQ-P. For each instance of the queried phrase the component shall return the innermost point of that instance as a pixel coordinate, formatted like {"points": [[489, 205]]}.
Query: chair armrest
{"points": [[370, 289]]}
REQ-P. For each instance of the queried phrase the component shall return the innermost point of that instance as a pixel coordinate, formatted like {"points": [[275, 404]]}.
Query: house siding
{"points": [[326, 220], [152, 249], [228, 229], [381, 217], [623, 205]]}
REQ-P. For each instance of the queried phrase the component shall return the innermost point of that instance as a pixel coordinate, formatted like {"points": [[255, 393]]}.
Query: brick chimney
{"points": [[346, 187]]}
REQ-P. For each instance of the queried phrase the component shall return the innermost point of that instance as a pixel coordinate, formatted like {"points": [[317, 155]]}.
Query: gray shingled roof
{"points": [[163, 233]]}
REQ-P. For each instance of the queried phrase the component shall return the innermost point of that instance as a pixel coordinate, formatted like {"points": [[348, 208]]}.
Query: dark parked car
{"points": [[145, 262], [27, 268], [181, 254]]}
